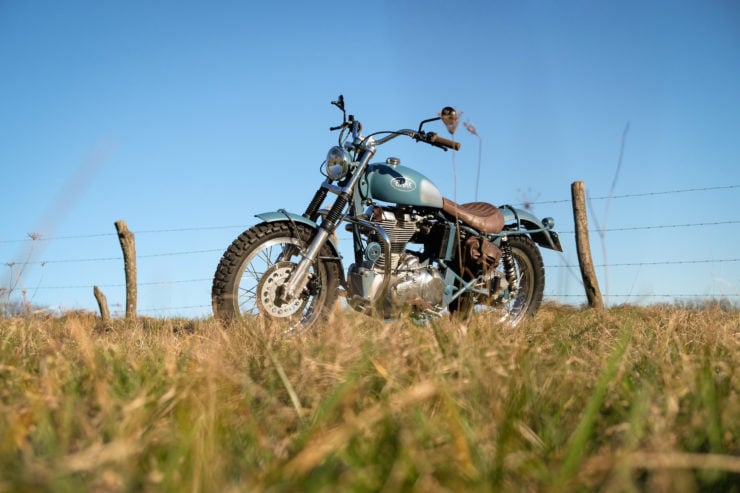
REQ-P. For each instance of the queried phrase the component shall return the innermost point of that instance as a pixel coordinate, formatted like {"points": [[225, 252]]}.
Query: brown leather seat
{"points": [[484, 217]]}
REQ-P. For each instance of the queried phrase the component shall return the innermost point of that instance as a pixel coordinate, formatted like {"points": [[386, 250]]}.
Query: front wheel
{"points": [[252, 272]]}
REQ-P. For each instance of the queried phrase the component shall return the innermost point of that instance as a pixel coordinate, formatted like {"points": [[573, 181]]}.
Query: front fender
{"points": [[539, 233], [282, 215]]}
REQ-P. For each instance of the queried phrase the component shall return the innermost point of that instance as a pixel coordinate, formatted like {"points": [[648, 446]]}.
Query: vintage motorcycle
{"points": [[415, 251]]}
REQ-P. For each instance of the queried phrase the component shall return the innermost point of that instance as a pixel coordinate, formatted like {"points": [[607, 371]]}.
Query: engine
{"points": [[413, 280], [416, 284]]}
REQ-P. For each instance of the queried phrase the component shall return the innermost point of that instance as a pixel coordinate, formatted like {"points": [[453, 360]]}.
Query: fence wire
{"points": [[32, 237]]}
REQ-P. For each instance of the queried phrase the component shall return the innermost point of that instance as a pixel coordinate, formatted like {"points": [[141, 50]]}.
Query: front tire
{"points": [[248, 279]]}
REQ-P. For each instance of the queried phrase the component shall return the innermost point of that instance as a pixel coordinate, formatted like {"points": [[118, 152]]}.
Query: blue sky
{"points": [[187, 118]]}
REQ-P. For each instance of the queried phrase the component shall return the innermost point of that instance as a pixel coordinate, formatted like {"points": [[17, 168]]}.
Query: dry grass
{"points": [[632, 399]]}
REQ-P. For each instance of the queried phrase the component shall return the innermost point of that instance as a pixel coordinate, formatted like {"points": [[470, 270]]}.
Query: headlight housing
{"points": [[337, 163]]}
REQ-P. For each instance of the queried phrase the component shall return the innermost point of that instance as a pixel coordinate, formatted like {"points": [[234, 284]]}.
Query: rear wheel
{"points": [[253, 271], [515, 302]]}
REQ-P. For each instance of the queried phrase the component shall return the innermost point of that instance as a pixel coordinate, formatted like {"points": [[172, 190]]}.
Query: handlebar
{"points": [[430, 138], [438, 141]]}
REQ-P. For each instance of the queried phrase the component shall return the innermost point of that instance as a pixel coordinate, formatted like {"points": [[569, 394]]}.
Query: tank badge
{"points": [[403, 184]]}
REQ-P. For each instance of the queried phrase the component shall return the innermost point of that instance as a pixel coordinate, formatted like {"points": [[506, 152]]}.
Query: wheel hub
{"points": [[270, 290]]}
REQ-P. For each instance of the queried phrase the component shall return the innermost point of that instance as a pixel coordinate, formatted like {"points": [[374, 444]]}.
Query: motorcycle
{"points": [[415, 251]]}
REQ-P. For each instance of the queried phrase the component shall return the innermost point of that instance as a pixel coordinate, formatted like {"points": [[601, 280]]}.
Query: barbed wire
{"points": [[36, 237], [200, 280], [220, 250], [547, 296], [643, 194], [662, 262], [637, 295], [120, 257], [119, 285], [659, 226], [624, 264], [174, 308]]}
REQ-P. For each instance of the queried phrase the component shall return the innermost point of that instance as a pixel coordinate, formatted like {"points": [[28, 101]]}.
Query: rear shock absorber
{"points": [[509, 266]]}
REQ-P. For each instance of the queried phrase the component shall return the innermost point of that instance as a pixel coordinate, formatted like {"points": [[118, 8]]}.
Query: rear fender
{"points": [[524, 220]]}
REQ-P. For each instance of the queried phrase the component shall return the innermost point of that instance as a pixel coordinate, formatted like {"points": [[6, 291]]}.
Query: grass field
{"points": [[631, 399]]}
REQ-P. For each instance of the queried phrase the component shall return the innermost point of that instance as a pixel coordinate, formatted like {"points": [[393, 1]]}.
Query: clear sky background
{"points": [[187, 118]]}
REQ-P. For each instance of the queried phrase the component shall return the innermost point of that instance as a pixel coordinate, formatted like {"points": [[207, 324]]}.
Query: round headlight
{"points": [[337, 163]]}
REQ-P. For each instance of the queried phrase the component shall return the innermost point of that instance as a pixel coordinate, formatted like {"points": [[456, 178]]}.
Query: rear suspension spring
{"points": [[508, 259]]}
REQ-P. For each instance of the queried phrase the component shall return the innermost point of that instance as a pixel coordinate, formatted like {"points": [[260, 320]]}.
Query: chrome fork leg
{"points": [[299, 278]]}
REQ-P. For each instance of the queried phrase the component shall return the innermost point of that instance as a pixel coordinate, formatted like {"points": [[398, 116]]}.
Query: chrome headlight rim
{"points": [[337, 163]]}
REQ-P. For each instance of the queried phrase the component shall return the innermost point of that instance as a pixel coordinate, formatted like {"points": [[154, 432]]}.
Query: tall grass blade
{"points": [[578, 443]]}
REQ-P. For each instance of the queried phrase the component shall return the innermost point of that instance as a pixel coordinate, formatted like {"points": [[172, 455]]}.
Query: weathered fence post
{"points": [[583, 246], [128, 245], [102, 304]]}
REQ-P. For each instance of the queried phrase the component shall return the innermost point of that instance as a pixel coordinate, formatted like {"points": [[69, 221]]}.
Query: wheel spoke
{"points": [[253, 270], [265, 256], [248, 291]]}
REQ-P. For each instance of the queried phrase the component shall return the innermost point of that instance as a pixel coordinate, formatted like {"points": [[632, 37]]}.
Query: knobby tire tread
{"points": [[225, 282]]}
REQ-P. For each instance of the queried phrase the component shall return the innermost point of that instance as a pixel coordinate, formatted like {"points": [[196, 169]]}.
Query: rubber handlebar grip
{"points": [[440, 141]]}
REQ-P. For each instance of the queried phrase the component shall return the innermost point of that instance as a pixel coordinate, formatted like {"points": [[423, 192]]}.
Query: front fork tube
{"points": [[313, 207], [299, 278]]}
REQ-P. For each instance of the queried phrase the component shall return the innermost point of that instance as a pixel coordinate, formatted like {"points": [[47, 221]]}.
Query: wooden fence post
{"points": [[128, 245], [583, 247], [102, 304]]}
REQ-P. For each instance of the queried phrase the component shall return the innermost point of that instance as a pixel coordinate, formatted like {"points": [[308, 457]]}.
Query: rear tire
{"points": [[251, 272], [530, 275]]}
